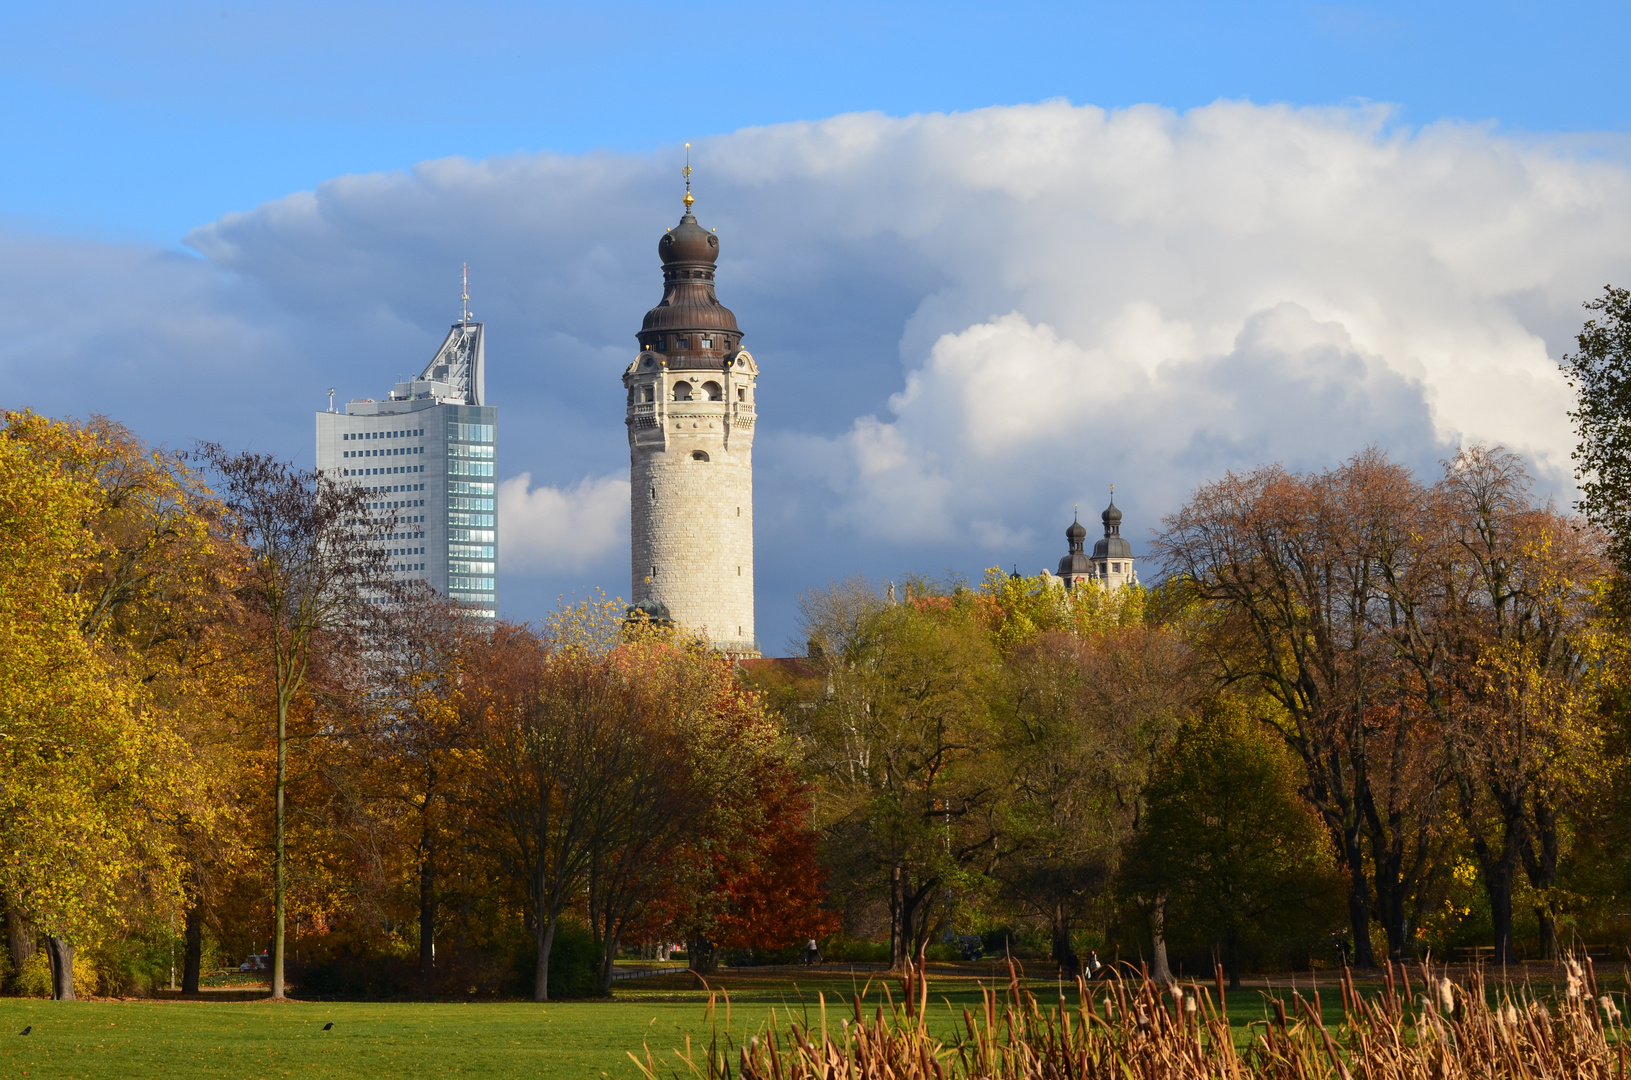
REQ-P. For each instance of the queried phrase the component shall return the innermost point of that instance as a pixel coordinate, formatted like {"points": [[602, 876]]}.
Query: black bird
{"points": [[326, 1027], [27, 1029]]}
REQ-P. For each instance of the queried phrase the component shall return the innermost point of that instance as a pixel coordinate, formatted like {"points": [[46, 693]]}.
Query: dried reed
{"points": [[1139, 1030]]}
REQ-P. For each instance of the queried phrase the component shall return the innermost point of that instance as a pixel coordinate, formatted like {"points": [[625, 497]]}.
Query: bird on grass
{"points": [[26, 1030], [326, 1027]]}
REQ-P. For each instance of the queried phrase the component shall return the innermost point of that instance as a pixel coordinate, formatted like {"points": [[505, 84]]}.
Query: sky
{"points": [[990, 259]]}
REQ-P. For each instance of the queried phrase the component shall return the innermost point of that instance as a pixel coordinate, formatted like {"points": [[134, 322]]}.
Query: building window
{"points": [[647, 394], [682, 391], [707, 343], [699, 455], [711, 391], [1115, 568], [662, 345], [741, 394]]}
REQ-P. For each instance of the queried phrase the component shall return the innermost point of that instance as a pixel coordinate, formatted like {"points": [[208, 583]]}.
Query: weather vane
{"points": [[686, 172]]}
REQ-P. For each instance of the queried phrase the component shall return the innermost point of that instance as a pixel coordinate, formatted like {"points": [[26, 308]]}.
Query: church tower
{"points": [[690, 420], [1113, 555]]}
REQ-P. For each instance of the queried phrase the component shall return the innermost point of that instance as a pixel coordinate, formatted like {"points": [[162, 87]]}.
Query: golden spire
{"points": [[686, 172]]}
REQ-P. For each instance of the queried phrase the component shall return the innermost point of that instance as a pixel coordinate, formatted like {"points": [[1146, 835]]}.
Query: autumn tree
{"points": [[315, 572], [421, 735], [1503, 659], [88, 764], [1243, 860], [1298, 581]]}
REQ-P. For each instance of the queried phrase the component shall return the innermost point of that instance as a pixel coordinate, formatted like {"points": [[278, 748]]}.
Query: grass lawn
{"points": [[567, 1040]]}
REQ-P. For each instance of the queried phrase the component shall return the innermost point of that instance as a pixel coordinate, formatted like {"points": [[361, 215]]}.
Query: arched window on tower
{"points": [[699, 455], [682, 391], [711, 391]]}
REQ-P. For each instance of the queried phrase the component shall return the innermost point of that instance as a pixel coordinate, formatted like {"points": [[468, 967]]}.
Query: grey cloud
{"points": [[965, 322]]}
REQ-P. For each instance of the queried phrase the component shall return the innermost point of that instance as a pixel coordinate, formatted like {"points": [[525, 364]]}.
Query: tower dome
{"points": [[1075, 564], [688, 242]]}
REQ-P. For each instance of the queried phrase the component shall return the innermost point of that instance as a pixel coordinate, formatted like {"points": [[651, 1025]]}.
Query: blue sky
{"points": [[145, 119], [990, 260]]}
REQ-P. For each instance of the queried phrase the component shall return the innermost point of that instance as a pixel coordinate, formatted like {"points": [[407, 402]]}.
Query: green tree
{"points": [[1600, 374], [1242, 859], [905, 746]]}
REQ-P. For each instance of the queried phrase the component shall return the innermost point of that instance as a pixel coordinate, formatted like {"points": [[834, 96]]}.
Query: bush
{"points": [[844, 949], [34, 980]]}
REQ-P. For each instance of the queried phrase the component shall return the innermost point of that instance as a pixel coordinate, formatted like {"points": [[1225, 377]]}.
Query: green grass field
{"points": [[568, 1040]]}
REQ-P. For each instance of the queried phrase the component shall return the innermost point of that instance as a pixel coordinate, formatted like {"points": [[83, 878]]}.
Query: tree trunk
{"points": [[897, 938], [279, 871], [1358, 901], [1159, 970], [1231, 961], [1498, 886], [1542, 871], [546, 941], [701, 955], [1064, 949], [61, 953], [608, 960], [427, 904], [194, 956], [21, 938]]}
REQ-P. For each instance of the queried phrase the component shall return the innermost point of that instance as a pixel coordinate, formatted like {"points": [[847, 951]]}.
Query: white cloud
{"points": [[549, 530], [964, 323]]}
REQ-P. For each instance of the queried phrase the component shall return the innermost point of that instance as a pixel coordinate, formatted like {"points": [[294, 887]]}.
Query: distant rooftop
{"points": [[455, 376]]}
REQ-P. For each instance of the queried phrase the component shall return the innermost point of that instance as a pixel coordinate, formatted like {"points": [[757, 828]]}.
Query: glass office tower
{"points": [[428, 453]]}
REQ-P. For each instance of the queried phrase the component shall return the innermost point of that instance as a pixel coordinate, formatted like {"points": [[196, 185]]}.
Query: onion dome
{"points": [[689, 327], [1076, 563], [688, 242], [1112, 546]]}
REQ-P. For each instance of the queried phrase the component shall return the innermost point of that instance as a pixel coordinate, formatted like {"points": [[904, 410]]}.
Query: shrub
{"points": [[34, 980]]}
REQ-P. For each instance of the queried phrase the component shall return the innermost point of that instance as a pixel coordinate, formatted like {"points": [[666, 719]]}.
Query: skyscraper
{"points": [[427, 453], [690, 417]]}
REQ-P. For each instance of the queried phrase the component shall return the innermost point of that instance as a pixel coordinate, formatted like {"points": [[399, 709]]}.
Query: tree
{"points": [[158, 600], [315, 572], [1600, 374], [905, 747], [1091, 717], [422, 738], [1241, 858], [83, 766], [1298, 580], [1504, 665]]}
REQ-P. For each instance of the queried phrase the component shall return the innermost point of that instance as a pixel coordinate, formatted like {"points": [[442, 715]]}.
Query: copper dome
{"points": [[689, 327]]}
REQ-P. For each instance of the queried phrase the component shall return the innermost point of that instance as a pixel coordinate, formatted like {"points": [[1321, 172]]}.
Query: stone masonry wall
{"points": [[691, 520]]}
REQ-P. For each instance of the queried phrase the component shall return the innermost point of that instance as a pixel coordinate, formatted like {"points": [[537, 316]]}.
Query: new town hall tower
{"points": [[690, 419]]}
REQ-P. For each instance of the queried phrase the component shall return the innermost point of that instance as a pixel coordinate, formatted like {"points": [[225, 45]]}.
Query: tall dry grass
{"points": [[1413, 1029]]}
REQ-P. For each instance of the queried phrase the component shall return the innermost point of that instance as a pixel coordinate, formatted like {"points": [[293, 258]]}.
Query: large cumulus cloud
{"points": [[966, 322]]}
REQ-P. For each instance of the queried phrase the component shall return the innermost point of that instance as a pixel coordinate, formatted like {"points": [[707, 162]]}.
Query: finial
{"points": [[464, 298], [686, 172], [1076, 511]]}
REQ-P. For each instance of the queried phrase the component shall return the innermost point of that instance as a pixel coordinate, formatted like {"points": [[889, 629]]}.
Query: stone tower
{"points": [[690, 419]]}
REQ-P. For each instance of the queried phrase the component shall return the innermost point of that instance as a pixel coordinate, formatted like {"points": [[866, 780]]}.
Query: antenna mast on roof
{"points": [[331, 399], [464, 299]]}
